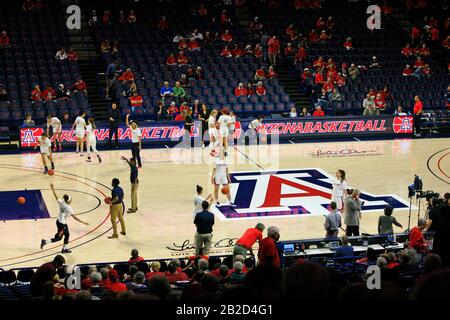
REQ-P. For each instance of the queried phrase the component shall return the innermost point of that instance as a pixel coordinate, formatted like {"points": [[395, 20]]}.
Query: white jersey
{"points": [[90, 133], [233, 123], [198, 204], [44, 145], [338, 188], [65, 211], [55, 123], [135, 134], [80, 123], [255, 124], [224, 121], [220, 176], [212, 122]]}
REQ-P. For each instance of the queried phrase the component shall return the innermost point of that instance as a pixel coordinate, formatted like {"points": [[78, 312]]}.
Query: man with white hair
{"points": [[352, 216], [416, 239], [268, 252], [237, 276]]}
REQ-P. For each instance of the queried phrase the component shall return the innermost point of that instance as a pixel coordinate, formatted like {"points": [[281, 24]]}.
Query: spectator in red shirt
{"points": [[135, 258], [268, 253], [4, 40], [330, 23], [319, 112], [273, 50], [172, 109], [79, 85], [27, 5], [424, 51], [407, 71], [182, 59], [324, 36], [258, 51], [319, 78], [348, 44], [171, 60], [289, 50], [271, 73], [250, 90], [329, 85], [380, 103], [193, 45], [415, 35], [418, 110], [416, 239], [320, 23], [313, 36], [181, 116], [173, 275], [260, 74], [407, 51], [106, 17], [155, 266], [49, 93], [318, 64], [127, 76], [136, 101], [226, 53], [163, 24], [115, 285], [240, 90], [36, 94], [44, 273], [202, 11], [260, 90], [226, 36], [301, 54], [248, 239], [131, 17], [238, 52], [72, 55]]}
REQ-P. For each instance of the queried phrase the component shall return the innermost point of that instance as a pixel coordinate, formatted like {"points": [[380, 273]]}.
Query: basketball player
{"points": [[221, 177], [232, 138], [80, 125], [198, 200], [339, 191], [55, 123], [134, 180], [213, 133], [65, 211], [254, 127], [91, 141], [45, 148], [136, 139], [224, 123], [116, 208]]}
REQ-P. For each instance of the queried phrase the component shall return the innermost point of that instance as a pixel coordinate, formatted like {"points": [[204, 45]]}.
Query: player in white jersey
{"points": [[45, 148], [221, 177], [198, 200], [254, 127], [91, 140], [232, 138], [136, 140], [224, 123], [56, 125], [213, 133], [339, 191], [65, 211], [80, 125]]}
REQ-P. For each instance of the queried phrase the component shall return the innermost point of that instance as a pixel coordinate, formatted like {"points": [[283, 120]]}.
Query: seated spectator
{"points": [[193, 45], [49, 93], [136, 101], [260, 89], [391, 259], [419, 63], [318, 64], [313, 36], [345, 250], [320, 23], [66, 119], [249, 50], [182, 44], [95, 280], [127, 76], [93, 20], [226, 52], [416, 239], [424, 51], [155, 266], [173, 275], [28, 122], [4, 40], [3, 95], [289, 50], [128, 89], [72, 55], [163, 24], [166, 90], [135, 258], [178, 37], [407, 51], [226, 36], [380, 104], [250, 90], [138, 282], [184, 107], [348, 44], [114, 284], [184, 81], [79, 85], [370, 258], [369, 106], [386, 221], [324, 36], [335, 95], [400, 112], [446, 43], [260, 74], [106, 18], [27, 5], [181, 116], [179, 93], [131, 17], [36, 94], [305, 113], [271, 74], [237, 52], [104, 46], [258, 51], [197, 35], [319, 112], [328, 86], [172, 110], [198, 75], [237, 276], [293, 113], [407, 72], [240, 90], [426, 71], [61, 54], [182, 59], [340, 80], [353, 71], [374, 64]]}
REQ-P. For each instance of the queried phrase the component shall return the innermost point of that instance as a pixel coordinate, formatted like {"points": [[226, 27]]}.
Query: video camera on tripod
{"points": [[428, 194]]}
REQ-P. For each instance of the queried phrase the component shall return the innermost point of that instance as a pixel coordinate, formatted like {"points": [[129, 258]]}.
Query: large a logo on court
{"points": [[290, 193]]}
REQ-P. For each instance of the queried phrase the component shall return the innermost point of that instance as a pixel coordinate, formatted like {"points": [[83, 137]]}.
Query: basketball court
{"points": [[285, 185]]}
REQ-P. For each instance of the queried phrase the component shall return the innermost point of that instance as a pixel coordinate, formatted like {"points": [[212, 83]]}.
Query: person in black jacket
{"points": [[204, 221], [113, 120]]}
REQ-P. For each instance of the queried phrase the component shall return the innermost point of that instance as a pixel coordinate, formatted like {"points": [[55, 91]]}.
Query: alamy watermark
{"points": [[374, 20], [373, 280], [73, 22]]}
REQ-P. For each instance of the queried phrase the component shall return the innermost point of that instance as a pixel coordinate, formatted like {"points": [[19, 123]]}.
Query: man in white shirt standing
{"points": [[224, 123], [65, 211], [80, 125], [136, 139]]}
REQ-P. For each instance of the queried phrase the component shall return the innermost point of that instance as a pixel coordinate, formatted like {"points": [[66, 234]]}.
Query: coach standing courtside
{"points": [[352, 209], [136, 139], [116, 208], [114, 121]]}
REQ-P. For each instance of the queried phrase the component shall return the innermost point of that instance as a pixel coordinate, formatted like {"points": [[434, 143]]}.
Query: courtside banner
{"points": [[336, 126]]}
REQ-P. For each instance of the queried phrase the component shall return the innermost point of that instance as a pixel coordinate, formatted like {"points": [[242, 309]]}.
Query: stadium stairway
{"points": [[291, 87]]}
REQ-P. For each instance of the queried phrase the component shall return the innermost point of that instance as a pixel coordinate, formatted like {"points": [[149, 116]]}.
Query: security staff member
{"points": [[113, 120], [136, 139], [418, 110], [134, 183], [116, 208]]}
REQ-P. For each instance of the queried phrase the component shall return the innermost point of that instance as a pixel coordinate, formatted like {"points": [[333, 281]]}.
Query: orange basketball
{"points": [[225, 189], [108, 200], [21, 200], [51, 172]]}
